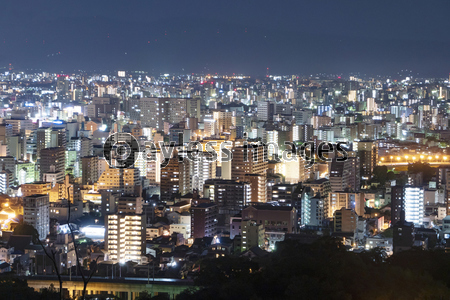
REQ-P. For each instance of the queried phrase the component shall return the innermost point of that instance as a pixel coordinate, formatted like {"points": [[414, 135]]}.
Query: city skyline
{"points": [[169, 149]]}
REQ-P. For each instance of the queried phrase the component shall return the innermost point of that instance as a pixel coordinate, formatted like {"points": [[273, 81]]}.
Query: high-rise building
{"points": [[251, 159], [8, 163], [274, 218], [130, 204], [6, 131], [83, 145], [204, 220], [348, 200], [447, 190], [266, 110], [175, 178], [258, 187], [252, 234], [368, 153], [403, 236], [311, 210], [340, 175], [345, 220], [414, 205], [193, 108], [201, 169], [397, 208], [223, 120], [230, 196], [55, 157], [36, 212], [407, 204], [6, 180], [62, 85], [17, 146], [89, 169], [283, 193], [108, 201], [355, 179], [302, 117], [323, 188], [57, 138], [156, 111], [125, 181], [125, 237], [43, 138], [36, 188], [20, 124]]}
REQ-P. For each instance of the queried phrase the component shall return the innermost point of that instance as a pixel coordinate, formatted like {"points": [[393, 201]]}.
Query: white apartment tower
{"points": [[125, 237], [36, 212]]}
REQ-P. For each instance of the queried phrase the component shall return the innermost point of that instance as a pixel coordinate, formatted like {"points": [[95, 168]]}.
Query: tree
{"points": [[17, 289], [146, 296], [324, 270], [380, 174], [26, 229], [390, 176], [424, 168]]}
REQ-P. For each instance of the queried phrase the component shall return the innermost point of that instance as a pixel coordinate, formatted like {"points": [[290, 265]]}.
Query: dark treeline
{"points": [[325, 270]]}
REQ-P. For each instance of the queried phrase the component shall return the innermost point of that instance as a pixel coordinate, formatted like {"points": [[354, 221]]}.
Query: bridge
{"points": [[126, 288], [404, 160]]}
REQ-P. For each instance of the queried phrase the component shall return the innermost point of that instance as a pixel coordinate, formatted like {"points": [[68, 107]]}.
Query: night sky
{"points": [[241, 36]]}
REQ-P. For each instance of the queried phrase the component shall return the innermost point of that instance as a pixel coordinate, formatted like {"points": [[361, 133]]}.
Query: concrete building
{"points": [[204, 220], [36, 188], [36, 212], [130, 204], [323, 188], [339, 199], [251, 160], [175, 178], [89, 169], [407, 201], [230, 197], [125, 237], [274, 218], [368, 153], [414, 205], [403, 236], [125, 181], [60, 210], [340, 175], [252, 235], [345, 220], [184, 229], [55, 157], [311, 210], [248, 160], [283, 193]]}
